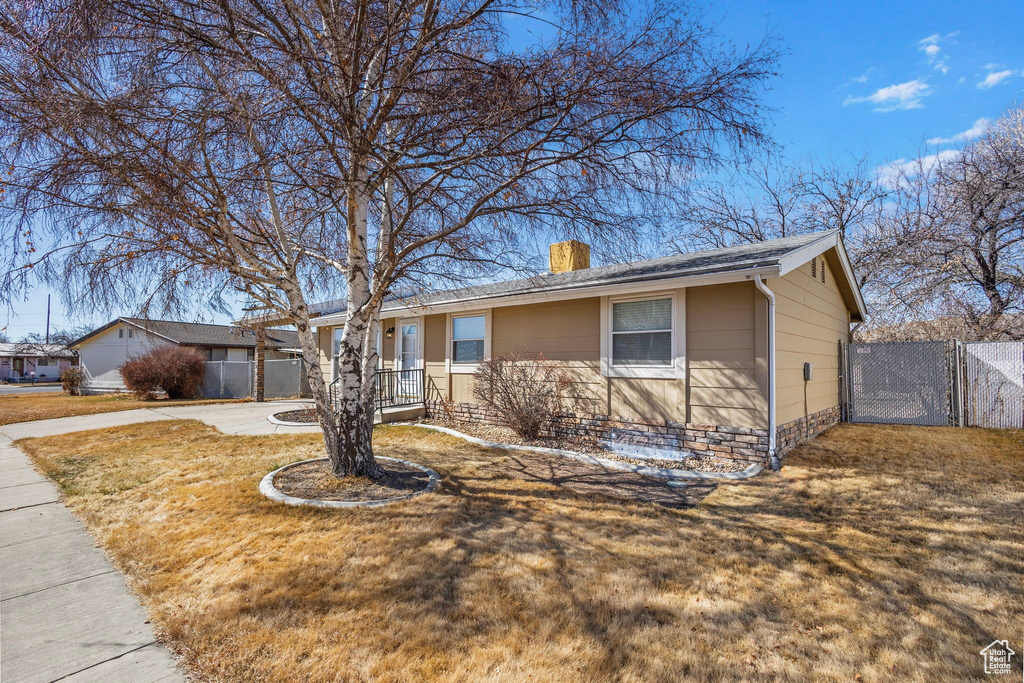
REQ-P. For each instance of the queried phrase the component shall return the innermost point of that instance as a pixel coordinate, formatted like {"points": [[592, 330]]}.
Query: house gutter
{"points": [[773, 456], [670, 279]]}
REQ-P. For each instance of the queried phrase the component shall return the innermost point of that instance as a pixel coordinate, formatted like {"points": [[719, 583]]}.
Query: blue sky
{"points": [[883, 79]]}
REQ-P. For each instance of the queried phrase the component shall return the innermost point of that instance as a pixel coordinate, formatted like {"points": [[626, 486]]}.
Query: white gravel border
{"points": [[660, 472], [268, 489], [273, 420]]}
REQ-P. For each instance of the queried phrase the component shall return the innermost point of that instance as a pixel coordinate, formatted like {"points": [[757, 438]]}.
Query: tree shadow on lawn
{"points": [[793, 576], [828, 570]]}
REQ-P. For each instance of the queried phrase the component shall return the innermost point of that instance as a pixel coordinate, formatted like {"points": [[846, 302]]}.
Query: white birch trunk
{"points": [[354, 397]]}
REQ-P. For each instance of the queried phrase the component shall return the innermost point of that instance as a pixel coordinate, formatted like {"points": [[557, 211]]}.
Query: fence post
{"points": [[958, 387], [842, 381], [258, 357]]}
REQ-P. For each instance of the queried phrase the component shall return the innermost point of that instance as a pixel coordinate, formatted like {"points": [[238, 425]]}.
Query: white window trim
{"points": [[419, 340], [465, 368], [677, 369]]}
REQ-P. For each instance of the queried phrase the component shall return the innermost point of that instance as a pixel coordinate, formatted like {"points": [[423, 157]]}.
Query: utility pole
{"points": [[47, 318]]}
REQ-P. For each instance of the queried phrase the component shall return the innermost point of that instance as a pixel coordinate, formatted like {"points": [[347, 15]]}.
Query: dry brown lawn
{"points": [[878, 554], [47, 405]]}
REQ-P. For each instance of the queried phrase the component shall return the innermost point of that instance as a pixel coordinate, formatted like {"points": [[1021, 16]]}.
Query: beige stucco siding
{"points": [[561, 330], [565, 332], [387, 346], [726, 345], [434, 364], [811, 320]]}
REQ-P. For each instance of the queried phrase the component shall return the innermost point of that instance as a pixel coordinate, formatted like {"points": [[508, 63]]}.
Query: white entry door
{"points": [[408, 355]]}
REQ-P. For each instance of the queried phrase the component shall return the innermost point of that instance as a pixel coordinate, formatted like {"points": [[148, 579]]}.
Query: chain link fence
{"points": [[235, 379], [994, 384], [934, 383]]}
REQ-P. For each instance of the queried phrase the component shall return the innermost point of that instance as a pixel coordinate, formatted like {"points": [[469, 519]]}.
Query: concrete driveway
{"points": [[65, 612]]}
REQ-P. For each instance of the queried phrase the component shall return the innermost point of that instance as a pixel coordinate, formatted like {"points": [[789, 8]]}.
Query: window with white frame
{"points": [[468, 335], [641, 333]]}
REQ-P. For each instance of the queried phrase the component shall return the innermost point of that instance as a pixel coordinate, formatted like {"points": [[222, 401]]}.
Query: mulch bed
{"points": [[696, 463], [304, 415], [313, 481], [587, 479], [498, 434]]}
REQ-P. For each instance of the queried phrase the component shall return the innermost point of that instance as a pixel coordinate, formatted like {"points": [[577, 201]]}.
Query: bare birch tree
{"points": [[160, 150], [952, 240]]}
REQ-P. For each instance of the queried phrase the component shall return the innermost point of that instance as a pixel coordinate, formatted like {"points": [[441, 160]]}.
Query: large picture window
{"points": [[642, 333], [468, 339]]}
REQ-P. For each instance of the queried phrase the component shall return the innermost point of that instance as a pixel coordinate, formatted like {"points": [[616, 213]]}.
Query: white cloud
{"points": [[889, 174], [900, 96], [995, 78], [974, 131], [931, 48]]}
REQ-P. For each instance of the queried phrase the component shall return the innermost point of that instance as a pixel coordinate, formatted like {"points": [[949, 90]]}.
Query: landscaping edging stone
{"points": [[268, 489], [659, 472], [273, 420]]}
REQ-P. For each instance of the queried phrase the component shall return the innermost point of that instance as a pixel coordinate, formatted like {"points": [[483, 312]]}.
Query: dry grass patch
{"points": [[879, 553], [45, 406]]}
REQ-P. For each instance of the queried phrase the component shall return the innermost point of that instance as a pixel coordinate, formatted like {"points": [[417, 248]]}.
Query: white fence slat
{"points": [[995, 384]]}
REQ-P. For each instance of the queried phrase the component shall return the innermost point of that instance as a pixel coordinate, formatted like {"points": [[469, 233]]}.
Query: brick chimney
{"points": [[569, 255]]}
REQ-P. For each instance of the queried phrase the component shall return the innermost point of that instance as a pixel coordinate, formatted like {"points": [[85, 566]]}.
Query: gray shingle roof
{"points": [[742, 256], [203, 334], [33, 350]]}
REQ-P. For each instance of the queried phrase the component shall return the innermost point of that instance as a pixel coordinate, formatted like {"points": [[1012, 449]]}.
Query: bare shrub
{"points": [[71, 380], [175, 370], [526, 390]]}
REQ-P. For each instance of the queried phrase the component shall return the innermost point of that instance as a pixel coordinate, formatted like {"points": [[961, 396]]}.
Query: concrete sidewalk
{"points": [[65, 612]]}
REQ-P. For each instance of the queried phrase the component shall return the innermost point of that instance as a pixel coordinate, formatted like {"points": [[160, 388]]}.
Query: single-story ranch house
{"points": [[103, 351], [732, 352], [28, 361]]}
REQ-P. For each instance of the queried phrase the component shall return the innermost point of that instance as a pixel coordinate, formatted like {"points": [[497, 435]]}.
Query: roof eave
{"points": [[669, 280], [849, 287]]}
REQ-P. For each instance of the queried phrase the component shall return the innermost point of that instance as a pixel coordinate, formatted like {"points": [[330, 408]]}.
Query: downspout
{"points": [[773, 456]]}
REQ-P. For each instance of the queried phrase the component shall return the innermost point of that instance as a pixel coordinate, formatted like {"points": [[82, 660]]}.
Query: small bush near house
{"points": [[71, 380], [525, 389], [175, 370]]}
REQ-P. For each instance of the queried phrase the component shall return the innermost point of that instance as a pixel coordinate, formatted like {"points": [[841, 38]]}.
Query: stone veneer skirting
{"points": [[723, 441], [792, 433]]}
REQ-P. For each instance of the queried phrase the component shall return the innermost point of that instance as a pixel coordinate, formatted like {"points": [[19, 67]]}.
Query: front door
{"points": [[18, 367], [408, 356]]}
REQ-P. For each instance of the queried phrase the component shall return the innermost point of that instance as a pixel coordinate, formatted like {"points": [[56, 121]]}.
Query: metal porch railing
{"points": [[392, 389]]}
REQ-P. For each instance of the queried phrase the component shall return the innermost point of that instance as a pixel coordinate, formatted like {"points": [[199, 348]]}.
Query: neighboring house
{"points": [[683, 352], [103, 351], [24, 361]]}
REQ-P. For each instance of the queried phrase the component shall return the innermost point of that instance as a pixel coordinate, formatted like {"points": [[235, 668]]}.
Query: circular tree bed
{"points": [[311, 483], [302, 416]]}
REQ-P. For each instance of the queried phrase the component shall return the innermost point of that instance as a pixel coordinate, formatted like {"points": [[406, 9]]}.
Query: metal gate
{"points": [[911, 383], [994, 373]]}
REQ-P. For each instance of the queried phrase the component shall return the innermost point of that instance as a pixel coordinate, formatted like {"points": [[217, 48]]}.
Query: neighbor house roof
{"points": [[771, 258], [34, 350], [203, 334]]}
